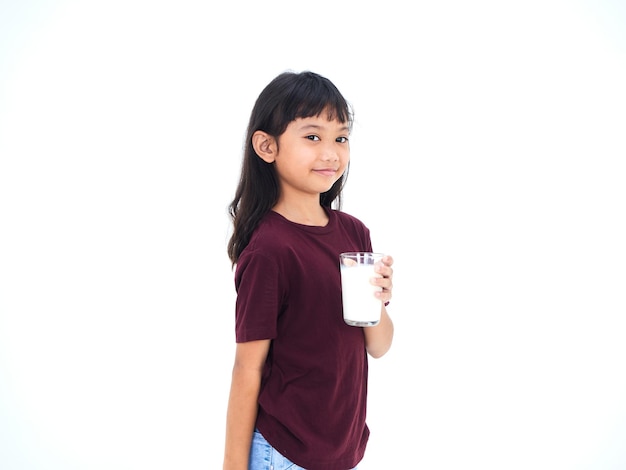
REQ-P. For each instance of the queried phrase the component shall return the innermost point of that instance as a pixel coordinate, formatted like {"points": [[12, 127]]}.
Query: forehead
{"points": [[320, 122]]}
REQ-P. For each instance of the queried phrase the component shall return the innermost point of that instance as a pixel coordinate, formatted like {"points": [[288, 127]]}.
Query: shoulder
{"points": [[270, 238], [349, 221], [269, 233]]}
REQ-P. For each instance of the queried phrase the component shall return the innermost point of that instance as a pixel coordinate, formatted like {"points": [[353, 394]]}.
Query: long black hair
{"points": [[287, 97]]}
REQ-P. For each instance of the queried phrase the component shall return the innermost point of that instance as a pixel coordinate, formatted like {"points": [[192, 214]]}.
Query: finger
{"points": [[382, 282], [384, 269], [383, 295]]}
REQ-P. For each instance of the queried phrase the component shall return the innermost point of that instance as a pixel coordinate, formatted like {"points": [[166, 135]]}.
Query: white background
{"points": [[487, 158]]}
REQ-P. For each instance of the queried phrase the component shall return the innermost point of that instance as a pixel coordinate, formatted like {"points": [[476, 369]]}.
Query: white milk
{"points": [[360, 306]]}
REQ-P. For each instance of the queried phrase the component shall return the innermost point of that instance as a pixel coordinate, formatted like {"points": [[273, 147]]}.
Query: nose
{"points": [[330, 153]]}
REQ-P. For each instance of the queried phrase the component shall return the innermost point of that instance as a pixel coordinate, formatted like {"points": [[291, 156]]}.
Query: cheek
{"points": [[345, 159]]}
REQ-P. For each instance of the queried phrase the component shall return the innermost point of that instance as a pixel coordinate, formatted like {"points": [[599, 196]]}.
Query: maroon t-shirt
{"points": [[313, 397]]}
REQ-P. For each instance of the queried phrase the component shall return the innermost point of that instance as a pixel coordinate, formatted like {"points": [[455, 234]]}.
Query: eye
{"points": [[313, 137], [342, 140]]}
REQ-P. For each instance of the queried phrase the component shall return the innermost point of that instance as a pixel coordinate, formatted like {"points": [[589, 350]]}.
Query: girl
{"points": [[299, 383]]}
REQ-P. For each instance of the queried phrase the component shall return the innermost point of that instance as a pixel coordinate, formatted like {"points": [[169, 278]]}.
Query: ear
{"points": [[265, 146]]}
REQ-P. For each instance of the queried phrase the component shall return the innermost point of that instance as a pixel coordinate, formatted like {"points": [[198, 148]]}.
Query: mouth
{"points": [[326, 171]]}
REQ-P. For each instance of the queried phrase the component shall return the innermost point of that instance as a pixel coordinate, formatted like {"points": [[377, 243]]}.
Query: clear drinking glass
{"points": [[360, 305]]}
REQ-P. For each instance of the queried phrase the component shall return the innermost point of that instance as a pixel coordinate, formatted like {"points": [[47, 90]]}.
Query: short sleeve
{"points": [[257, 281]]}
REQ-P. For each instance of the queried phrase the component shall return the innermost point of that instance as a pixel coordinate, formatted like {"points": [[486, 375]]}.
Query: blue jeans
{"points": [[264, 457]]}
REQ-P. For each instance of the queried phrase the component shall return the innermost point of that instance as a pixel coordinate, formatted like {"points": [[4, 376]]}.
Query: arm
{"points": [[378, 338], [242, 402]]}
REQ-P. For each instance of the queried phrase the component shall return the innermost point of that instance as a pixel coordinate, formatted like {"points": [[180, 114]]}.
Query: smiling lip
{"points": [[326, 171]]}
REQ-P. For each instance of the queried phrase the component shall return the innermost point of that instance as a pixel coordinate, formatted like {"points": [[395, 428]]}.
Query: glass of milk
{"points": [[360, 305]]}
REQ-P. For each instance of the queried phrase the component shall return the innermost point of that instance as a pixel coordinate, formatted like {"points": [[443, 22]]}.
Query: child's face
{"points": [[312, 155]]}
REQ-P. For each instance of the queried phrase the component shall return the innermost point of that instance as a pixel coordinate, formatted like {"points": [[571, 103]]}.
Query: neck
{"points": [[305, 214]]}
